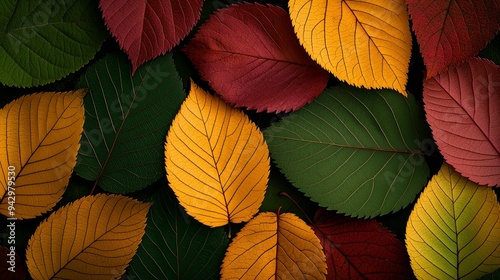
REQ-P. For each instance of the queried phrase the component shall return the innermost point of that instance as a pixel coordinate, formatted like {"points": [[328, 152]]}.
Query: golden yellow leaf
{"points": [[454, 230], [365, 43], [39, 141], [274, 246], [217, 161], [93, 238]]}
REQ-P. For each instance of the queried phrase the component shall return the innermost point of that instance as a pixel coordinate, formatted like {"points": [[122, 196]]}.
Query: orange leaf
{"points": [[93, 238], [274, 246], [216, 160], [39, 140], [365, 43]]}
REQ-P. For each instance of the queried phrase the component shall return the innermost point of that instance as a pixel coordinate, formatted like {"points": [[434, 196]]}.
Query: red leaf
{"points": [[360, 249], [250, 55], [146, 29], [462, 108], [451, 31], [7, 261]]}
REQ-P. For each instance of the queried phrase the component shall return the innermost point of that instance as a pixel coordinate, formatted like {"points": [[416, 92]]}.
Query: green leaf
{"points": [[43, 41], [126, 121], [176, 246], [354, 150]]}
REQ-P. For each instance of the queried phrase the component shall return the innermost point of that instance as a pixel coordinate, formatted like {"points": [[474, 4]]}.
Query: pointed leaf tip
{"points": [[146, 29], [217, 161], [365, 43]]}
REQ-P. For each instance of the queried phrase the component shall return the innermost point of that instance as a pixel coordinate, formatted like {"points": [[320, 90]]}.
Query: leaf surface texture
{"points": [[175, 246], [251, 57], [146, 29], [360, 248], [39, 141], [365, 43], [274, 246], [454, 231], [353, 150], [216, 160], [127, 118], [96, 237], [451, 31], [462, 110], [43, 41]]}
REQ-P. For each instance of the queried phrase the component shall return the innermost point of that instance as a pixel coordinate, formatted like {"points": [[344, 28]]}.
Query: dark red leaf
{"points": [[451, 31], [250, 55], [7, 272], [146, 29], [462, 107], [360, 249]]}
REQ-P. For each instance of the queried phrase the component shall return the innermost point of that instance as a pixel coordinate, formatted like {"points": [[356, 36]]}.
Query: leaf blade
{"points": [[175, 246], [250, 55], [216, 160], [460, 108], [455, 224], [354, 151], [365, 43], [148, 28], [42, 42], [450, 32], [274, 246], [106, 240], [41, 134], [127, 118]]}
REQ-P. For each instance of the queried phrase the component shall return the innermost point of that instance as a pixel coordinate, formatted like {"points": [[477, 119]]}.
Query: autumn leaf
{"points": [[94, 237], [274, 246], [146, 29], [44, 41], [216, 160], [365, 43], [355, 151], [250, 55], [40, 136], [451, 31], [175, 245], [454, 229], [360, 249], [127, 118], [462, 109]]}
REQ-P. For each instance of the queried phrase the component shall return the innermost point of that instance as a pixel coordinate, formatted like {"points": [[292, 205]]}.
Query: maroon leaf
{"points": [[360, 249], [451, 31], [462, 108], [146, 29], [250, 55]]}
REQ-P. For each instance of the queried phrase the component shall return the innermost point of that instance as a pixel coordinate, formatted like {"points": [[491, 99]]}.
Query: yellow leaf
{"points": [[216, 160], [93, 238], [454, 230], [274, 246], [365, 43], [39, 141]]}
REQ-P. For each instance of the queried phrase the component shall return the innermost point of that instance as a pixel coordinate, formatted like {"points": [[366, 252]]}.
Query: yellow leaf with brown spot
{"points": [[94, 238], [274, 246], [216, 160], [365, 43], [39, 141]]}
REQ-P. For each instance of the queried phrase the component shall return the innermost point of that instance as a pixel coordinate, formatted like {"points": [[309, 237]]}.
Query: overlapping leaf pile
{"points": [[223, 139]]}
